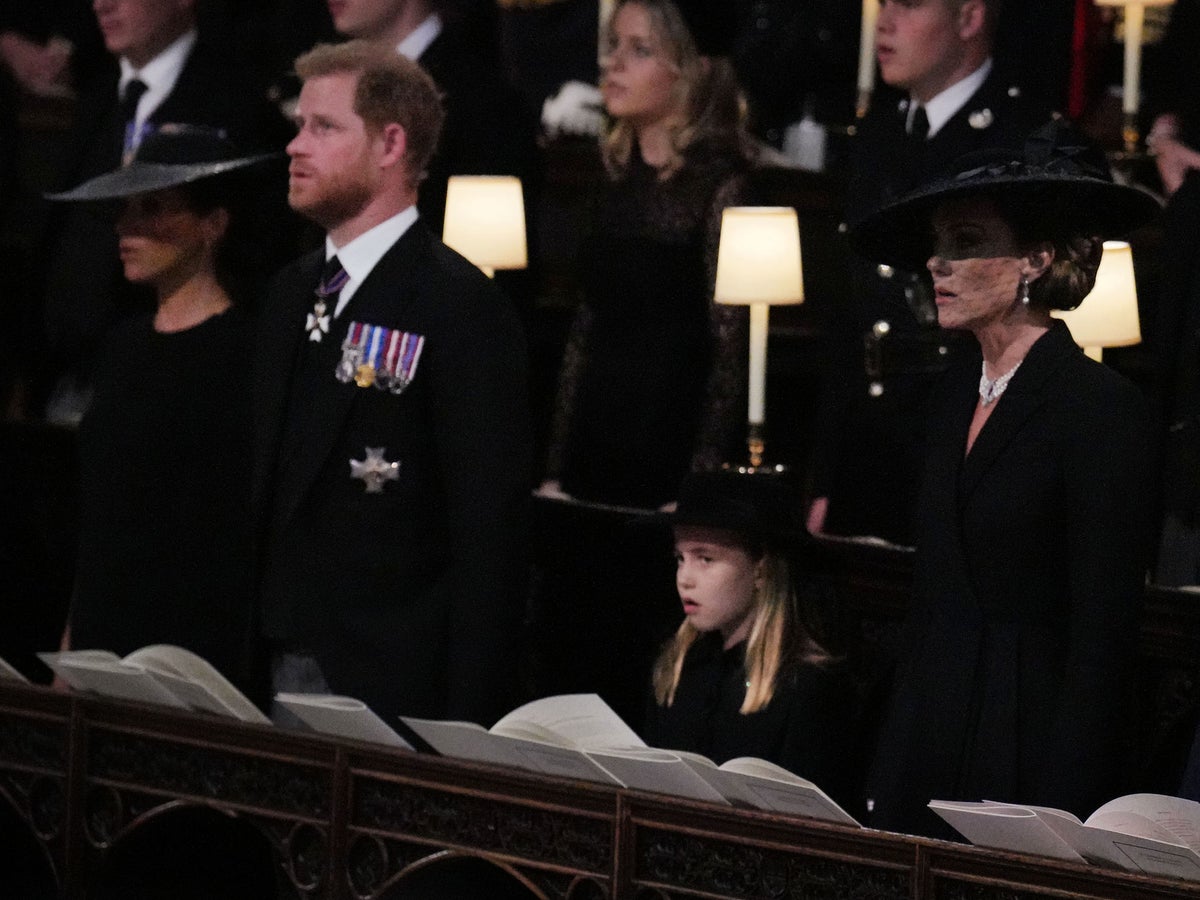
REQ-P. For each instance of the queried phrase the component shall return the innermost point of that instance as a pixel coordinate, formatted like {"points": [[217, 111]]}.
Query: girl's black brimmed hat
{"points": [[1056, 170], [758, 506], [172, 155]]}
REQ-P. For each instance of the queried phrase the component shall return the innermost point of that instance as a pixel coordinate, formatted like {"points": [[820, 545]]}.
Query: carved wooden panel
{"points": [[555, 837], [196, 771], [687, 864]]}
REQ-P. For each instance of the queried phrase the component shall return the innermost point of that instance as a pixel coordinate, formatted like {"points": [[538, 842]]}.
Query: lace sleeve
{"points": [[725, 393], [575, 357]]}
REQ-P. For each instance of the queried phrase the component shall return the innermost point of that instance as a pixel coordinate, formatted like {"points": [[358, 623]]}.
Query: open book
{"points": [[1150, 833], [159, 673], [579, 736], [342, 717], [759, 784]]}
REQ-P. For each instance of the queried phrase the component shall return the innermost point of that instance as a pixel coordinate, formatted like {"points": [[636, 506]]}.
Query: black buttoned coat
{"points": [[409, 598], [1030, 564]]}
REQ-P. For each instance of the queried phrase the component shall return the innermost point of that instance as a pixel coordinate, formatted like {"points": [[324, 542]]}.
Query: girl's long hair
{"points": [[778, 639], [714, 110]]}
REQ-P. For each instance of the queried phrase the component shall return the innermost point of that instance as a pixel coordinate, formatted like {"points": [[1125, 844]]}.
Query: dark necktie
{"points": [[920, 125], [127, 108]]}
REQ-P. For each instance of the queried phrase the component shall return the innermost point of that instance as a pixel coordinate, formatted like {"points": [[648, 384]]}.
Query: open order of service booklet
{"points": [[577, 736], [159, 673], [1151, 833]]}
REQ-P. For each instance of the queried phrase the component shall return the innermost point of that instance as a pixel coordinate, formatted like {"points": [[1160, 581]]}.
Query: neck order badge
{"points": [[333, 279]]}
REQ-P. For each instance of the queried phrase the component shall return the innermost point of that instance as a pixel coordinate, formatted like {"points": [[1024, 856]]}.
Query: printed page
{"points": [[1017, 829], [577, 720], [1135, 853], [345, 717], [1156, 816], [768, 786], [116, 680], [658, 771], [216, 694]]}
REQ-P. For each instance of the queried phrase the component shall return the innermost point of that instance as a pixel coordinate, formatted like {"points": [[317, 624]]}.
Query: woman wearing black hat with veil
{"points": [[164, 541], [1032, 521]]}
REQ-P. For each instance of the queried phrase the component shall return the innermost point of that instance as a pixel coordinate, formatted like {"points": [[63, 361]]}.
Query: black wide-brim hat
{"points": [[171, 156], [1056, 170]]}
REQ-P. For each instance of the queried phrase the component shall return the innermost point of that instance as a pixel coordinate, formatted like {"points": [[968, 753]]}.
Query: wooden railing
{"points": [[84, 776]]}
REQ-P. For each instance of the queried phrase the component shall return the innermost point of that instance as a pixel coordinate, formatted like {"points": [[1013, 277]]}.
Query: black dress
{"points": [[808, 727], [165, 456], [653, 377], [1015, 680]]}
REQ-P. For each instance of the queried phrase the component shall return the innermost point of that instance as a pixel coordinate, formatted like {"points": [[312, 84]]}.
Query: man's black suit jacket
{"points": [[409, 598]]}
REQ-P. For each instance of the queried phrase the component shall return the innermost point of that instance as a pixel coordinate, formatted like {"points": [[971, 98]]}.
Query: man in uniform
{"points": [[942, 97], [392, 451]]}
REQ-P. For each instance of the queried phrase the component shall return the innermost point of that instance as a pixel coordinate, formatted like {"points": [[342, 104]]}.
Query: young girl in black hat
{"points": [[745, 675]]}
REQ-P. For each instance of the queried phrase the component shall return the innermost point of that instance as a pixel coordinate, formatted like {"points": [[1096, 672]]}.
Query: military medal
{"points": [[385, 358], [352, 353], [405, 366], [374, 471]]}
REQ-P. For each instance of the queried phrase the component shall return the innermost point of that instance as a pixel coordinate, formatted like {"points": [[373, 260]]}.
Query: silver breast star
{"points": [[374, 470]]}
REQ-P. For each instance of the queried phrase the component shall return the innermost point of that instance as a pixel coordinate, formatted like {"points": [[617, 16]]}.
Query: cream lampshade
{"points": [[1109, 315], [758, 264], [1135, 19], [485, 221]]}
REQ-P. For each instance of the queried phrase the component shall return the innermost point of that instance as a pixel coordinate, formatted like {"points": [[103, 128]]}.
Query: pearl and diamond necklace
{"points": [[990, 389]]}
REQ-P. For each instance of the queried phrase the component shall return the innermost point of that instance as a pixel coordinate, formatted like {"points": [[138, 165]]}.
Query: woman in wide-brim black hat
{"points": [[164, 447], [1032, 521]]}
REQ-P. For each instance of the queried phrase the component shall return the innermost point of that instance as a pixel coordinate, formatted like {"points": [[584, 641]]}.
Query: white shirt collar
{"points": [[940, 108], [159, 75], [421, 37], [360, 255]]}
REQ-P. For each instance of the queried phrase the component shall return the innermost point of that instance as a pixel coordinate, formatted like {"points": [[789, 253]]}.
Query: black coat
{"points": [[808, 727], [1030, 563], [409, 598]]}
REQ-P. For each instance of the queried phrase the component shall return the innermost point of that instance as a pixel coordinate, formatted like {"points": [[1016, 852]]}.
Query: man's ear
{"points": [[972, 19], [394, 142]]}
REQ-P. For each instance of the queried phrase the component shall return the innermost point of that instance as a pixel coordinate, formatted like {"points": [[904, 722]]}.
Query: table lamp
{"points": [[1135, 18], [758, 264], [485, 221], [1108, 317]]}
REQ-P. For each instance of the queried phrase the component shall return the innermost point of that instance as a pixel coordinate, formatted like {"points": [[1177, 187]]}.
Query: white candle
{"points": [[1135, 15], [606, 11], [758, 362], [866, 47]]}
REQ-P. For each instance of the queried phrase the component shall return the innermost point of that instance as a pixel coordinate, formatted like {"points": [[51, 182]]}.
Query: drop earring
{"points": [[1024, 295]]}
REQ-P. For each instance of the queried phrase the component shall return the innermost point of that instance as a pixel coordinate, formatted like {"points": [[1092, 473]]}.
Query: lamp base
{"points": [[755, 447]]}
